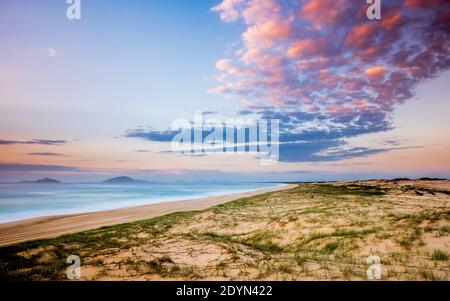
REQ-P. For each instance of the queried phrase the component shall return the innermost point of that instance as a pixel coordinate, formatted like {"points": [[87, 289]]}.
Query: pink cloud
{"points": [[260, 11], [325, 57], [313, 64], [424, 3], [272, 30], [391, 20], [229, 9], [360, 36], [338, 109], [322, 12], [307, 47], [267, 33], [376, 72]]}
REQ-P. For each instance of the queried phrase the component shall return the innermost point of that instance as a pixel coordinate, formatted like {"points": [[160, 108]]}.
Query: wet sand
{"points": [[54, 226]]}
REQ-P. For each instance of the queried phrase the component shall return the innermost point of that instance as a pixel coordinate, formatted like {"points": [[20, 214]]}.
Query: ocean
{"points": [[25, 201]]}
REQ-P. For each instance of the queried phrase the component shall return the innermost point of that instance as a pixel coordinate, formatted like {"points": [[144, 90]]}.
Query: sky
{"points": [[84, 100]]}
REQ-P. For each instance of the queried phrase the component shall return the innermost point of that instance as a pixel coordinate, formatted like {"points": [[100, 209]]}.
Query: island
{"points": [[124, 180], [42, 181]]}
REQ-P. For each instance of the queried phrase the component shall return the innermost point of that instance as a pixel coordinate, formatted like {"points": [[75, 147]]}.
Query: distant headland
{"points": [[42, 181], [124, 180]]}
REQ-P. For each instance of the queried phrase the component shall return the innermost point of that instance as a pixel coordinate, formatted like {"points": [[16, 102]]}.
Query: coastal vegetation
{"points": [[315, 231]]}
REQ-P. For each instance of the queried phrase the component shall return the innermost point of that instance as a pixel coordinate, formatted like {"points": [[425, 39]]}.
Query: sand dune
{"points": [[314, 231]]}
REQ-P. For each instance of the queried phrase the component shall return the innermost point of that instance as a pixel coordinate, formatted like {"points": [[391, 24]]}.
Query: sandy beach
{"points": [[54, 226]]}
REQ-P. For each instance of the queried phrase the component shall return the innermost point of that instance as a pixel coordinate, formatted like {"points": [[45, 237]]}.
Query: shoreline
{"points": [[53, 226], [97, 204]]}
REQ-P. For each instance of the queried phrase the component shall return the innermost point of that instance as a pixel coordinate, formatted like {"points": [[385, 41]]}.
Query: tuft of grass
{"points": [[339, 233], [266, 247], [417, 219], [261, 241], [408, 240], [157, 267], [346, 271], [350, 189], [430, 276], [300, 260], [428, 229], [439, 255], [329, 248], [165, 259], [222, 265], [284, 268], [217, 237], [242, 203], [444, 229]]}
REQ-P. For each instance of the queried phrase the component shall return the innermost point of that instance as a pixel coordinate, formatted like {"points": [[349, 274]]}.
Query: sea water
{"points": [[25, 201]]}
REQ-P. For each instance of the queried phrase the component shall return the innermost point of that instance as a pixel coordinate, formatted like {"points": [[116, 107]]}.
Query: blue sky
{"points": [[145, 47], [139, 65]]}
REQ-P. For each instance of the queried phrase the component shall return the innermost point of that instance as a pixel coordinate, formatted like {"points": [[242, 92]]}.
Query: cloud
{"points": [[324, 140], [326, 71], [156, 136], [312, 152], [34, 167], [34, 141], [51, 52], [307, 47], [228, 10], [46, 154], [424, 3], [376, 72], [209, 113]]}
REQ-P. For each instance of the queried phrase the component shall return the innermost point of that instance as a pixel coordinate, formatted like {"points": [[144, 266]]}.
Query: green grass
{"points": [[430, 276], [242, 203], [284, 268], [444, 229], [329, 248], [260, 241], [211, 236], [331, 190], [300, 259], [265, 246], [418, 218], [339, 233], [439, 255], [408, 240]]}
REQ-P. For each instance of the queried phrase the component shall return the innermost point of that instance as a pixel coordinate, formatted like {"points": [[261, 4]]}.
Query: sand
{"points": [[54, 226]]}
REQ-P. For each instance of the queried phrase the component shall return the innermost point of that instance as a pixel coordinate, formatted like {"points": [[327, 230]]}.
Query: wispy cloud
{"points": [[34, 167], [151, 135], [51, 52], [46, 154], [34, 141]]}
